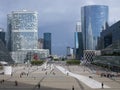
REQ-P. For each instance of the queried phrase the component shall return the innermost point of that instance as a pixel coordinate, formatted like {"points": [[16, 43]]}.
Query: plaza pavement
{"points": [[113, 83], [50, 79], [86, 80]]}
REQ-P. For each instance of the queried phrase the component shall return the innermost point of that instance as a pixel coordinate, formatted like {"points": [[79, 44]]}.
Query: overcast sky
{"points": [[57, 16]]}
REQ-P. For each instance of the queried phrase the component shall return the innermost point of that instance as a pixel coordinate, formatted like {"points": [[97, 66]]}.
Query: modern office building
{"points": [[70, 53], [47, 41], [110, 35], [40, 43], [22, 33], [94, 18], [2, 36], [23, 30], [8, 33], [4, 54], [25, 55], [78, 42], [110, 48]]}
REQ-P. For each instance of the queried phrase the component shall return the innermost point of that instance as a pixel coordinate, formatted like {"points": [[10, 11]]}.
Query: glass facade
{"points": [[2, 36], [8, 36], [78, 45], [24, 31], [47, 41], [22, 56], [94, 18], [78, 42]]}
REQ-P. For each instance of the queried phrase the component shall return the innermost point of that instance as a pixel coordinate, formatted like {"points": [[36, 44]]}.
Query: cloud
{"points": [[89, 2]]}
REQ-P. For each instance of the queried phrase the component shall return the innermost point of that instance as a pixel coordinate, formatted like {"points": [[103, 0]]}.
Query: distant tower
{"points": [[2, 36], [78, 41], [40, 43], [93, 20], [47, 41], [8, 34]]}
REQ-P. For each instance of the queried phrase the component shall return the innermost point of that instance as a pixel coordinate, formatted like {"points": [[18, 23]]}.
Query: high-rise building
{"points": [[8, 34], [78, 41], [40, 43], [70, 53], [22, 30], [110, 36], [2, 36], [47, 41], [94, 18]]}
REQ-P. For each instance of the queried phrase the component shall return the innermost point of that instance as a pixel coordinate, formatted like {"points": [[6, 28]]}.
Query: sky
{"points": [[57, 16]]}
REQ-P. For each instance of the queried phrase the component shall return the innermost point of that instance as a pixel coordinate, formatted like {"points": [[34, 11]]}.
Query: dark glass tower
{"points": [[78, 42], [78, 45], [94, 18], [47, 41], [2, 36]]}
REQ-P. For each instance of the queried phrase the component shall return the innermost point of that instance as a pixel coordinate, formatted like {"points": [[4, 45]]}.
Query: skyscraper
{"points": [[94, 18], [78, 41], [23, 30], [8, 33], [40, 43], [2, 36], [47, 41]]}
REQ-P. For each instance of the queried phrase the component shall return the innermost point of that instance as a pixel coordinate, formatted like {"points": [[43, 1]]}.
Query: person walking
{"points": [[39, 85], [16, 83], [102, 85], [72, 87]]}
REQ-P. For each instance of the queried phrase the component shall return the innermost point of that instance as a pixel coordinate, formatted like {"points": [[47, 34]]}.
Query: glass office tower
{"points": [[94, 18], [78, 42], [24, 30], [47, 41], [2, 36]]}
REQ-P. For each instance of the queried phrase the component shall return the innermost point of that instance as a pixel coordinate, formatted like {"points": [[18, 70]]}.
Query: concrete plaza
{"points": [[31, 78]]}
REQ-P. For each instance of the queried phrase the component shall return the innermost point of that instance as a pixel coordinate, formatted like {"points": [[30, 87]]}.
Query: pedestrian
{"points": [[72, 87], [16, 83], [39, 85], [3, 80], [102, 85]]}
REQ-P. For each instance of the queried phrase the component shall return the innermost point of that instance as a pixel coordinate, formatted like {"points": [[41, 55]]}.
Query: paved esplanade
{"points": [[49, 77], [86, 80]]}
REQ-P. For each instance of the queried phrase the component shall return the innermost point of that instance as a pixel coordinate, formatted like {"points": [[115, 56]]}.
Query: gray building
{"points": [[4, 54], [94, 18], [78, 42], [110, 35], [40, 43], [47, 41], [110, 48], [2, 36]]}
